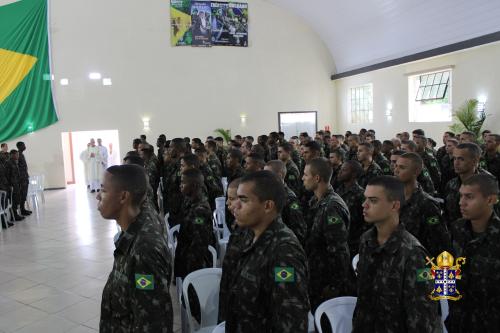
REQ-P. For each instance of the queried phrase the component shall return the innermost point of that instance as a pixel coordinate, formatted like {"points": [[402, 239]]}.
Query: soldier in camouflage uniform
{"points": [[233, 165], [326, 243], [4, 181], [212, 185], [254, 162], [352, 142], [136, 296], [265, 287], [292, 178], [380, 159], [430, 162], [370, 168], [212, 159], [24, 178], [272, 142], [465, 160], [491, 156], [353, 196], [196, 230], [477, 238], [392, 297], [152, 170], [446, 163], [172, 180], [291, 214], [14, 176], [425, 178], [336, 159], [420, 214]]}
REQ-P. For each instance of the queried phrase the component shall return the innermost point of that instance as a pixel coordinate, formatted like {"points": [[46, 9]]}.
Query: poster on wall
{"points": [[180, 17], [229, 24], [201, 16]]}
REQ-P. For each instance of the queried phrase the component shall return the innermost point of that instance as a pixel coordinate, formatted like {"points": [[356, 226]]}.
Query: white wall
{"points": [[476, 72], [184, 91]]}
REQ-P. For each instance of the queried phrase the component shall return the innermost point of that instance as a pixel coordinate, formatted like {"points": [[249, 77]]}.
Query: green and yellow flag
{"points": [[26, 102]]}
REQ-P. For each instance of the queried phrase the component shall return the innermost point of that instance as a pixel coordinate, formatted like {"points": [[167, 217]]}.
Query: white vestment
{"points": [[94, 162], [104, 159]]}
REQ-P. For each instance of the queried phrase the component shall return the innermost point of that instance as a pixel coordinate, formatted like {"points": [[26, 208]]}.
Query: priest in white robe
{"points": [[94, 161], [104, 157]]}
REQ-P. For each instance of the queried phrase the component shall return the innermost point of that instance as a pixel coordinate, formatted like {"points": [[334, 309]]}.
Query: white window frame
{"points": [[360, 104]]}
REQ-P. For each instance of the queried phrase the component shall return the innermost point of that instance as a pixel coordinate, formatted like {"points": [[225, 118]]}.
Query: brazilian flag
{"points": [[26, 102]]}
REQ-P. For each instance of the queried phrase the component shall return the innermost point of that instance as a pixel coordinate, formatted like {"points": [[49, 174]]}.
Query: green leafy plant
{"points": [[224, 133], [467, 118]]}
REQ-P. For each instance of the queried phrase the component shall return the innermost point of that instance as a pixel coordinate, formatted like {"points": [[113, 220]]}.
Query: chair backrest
{"points": [[220, 203], [355, 261], [206, 285], [339, 312], [3, 201], [213, 251], [224, 184], [172, 236], [444, 312], [221, 328]]}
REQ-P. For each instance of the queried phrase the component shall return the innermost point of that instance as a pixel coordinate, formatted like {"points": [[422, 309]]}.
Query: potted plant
{"points": [[468, 119], [224, 133]]}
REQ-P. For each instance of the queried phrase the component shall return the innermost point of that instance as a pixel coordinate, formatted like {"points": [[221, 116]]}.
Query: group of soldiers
{"points": [[300, 210], [14, 180]]}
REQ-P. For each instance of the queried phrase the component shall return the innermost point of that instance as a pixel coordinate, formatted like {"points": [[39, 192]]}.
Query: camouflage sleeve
{"points": [[201, 236], [436, 237], [289, 296], [294, 219], [150, 297], [293, 180], [337, 250], [421, 312], [425, 180]]}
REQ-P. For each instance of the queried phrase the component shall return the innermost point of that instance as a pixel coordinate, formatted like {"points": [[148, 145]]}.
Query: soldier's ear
{"points": [[124, 196], [396, 205], [492, 199], [269, 206]]}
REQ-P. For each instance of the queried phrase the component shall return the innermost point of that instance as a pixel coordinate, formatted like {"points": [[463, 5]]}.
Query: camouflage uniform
{"points": [[492, 164], [383, 163], [391, 296], [214, 164], [265, 289], [441, 152], [292, 178], [479, 308], [239, 240], [173, 196], [213, 185], [4, 178], [292, 216], [424, 179], [331, 273], [221, 154], [447, 170], [273, 152], [14, 182], [154, 179], [234, 174], [452, 198], [24, 180], [195, 235], [372, 172], [333, 181], [432, 166], [354, 198], [136, 297], [352, 154], [296, 159], [421, 217]]}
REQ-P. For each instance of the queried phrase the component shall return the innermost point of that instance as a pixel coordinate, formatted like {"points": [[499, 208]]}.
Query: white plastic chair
{"points": [[172, 238], [206, 285], [222, 249], [224, 184], [214, 255], [221, 328], [444, 312], [355, 261], [339, 312], [36, 187], [310, 323]]}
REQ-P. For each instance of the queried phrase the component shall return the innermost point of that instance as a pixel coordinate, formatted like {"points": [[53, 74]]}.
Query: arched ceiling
{"points": [[360, 33]]}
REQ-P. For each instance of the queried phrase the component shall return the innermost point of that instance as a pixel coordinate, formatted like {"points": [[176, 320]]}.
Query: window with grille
{"points": [[361, 98], [433, 86]]}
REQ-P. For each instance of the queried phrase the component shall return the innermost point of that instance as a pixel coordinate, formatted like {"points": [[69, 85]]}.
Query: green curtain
{"points": [[26, 102]]}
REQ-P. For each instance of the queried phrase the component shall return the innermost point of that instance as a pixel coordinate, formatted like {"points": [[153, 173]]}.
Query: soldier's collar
{"points": [[391, 246], [127, 237], [266, 235], [493, 227]]}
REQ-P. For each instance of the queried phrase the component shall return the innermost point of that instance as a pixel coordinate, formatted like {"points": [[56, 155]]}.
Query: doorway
{"points": [[74, 146]]}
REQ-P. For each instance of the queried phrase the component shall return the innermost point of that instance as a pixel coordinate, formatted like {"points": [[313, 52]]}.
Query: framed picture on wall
{"points": [[294, 123]]}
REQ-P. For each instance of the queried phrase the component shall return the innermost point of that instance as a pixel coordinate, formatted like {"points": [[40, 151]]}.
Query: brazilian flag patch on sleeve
{"points": [[433, 220], [199, 220], [144, 282], [424, 274], [284, 274], [333, 220], [294, 206]]}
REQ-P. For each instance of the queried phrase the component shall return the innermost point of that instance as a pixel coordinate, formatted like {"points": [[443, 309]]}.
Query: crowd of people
{"points": [[14, 181], [299, 211]]}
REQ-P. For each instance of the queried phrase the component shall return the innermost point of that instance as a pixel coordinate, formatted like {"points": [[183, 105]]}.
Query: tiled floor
{"points": [[54, 264]]}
